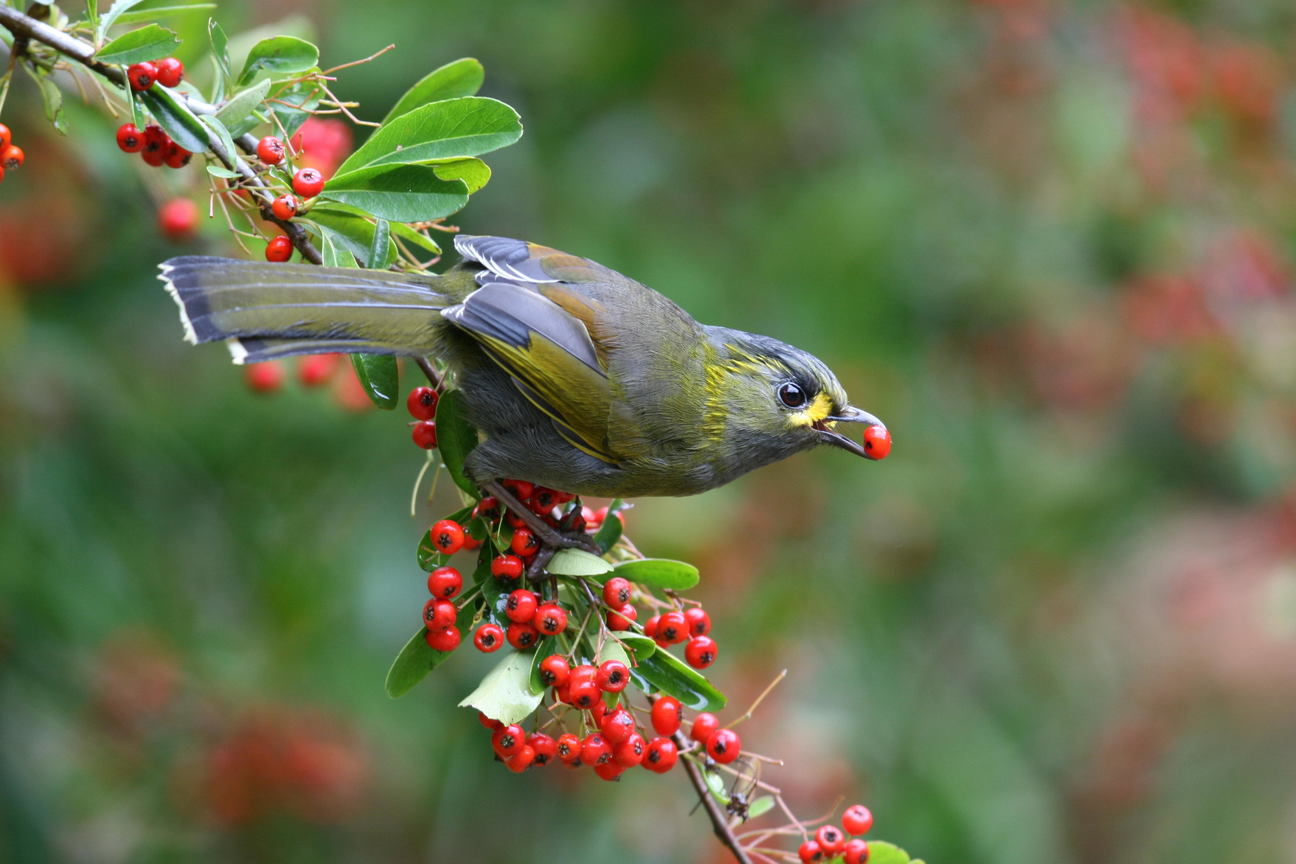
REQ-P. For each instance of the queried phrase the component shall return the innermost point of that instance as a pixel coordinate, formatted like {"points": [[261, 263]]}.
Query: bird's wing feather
{"points": [[549, 354], [528, 262]]}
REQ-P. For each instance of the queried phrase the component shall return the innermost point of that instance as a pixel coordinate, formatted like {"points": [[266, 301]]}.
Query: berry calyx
{"points": [[617, 592], [447, 536], [612, 677], [507, 567], [569, 748], [438, 613], [550, 619], [278, 249], [809, 852], [831, 839], [488, 637], [630, 752], [856, 851], [155, 145], [177, 156], [877, 442], [308, 182], [522, 636], [12, 157], [666, 715], [129, 138], [672, 627], [169, 71], [700, 652], [141, 75], [724, 745], [508, 740], [444, 582], [285, 207], [704, 725], [270, 150], [697, 621], [595, 750], [660, 756], [521, 605], [422, 401], [546, 749], [555, 670], [424, 434], [443, 639], [583, 694], [857, 819]]}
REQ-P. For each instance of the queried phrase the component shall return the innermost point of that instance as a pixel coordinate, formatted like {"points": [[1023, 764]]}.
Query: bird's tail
{"points": [[265, 311]]}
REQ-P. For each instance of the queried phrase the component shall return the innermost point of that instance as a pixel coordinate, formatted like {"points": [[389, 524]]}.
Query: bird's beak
{"points": [[849, 414]]}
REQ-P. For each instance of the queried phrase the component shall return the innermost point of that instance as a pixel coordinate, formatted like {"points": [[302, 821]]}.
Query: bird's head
{"points": [[779, 399]]}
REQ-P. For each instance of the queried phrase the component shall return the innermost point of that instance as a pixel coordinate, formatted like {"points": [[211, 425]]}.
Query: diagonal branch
{"points": [[719, 823]]}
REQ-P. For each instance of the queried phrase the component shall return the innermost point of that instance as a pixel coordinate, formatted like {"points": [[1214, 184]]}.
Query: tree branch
{"points": [[719, 823], [24, 26]]}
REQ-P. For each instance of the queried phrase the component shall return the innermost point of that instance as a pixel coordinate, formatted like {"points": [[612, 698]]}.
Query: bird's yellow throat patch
{"points": [[817, 411]]}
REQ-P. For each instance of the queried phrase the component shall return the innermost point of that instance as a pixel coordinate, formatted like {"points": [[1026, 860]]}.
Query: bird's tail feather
{"points": [[277, 310]]}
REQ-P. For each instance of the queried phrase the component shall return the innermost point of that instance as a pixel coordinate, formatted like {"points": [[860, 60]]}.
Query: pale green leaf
{"points": [[505, 693], [147, 43], [577, 562], [279, 55], [451, 129]]}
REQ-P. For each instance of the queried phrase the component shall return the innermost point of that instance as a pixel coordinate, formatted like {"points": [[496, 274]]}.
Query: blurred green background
{"points": [[1050, 243]]}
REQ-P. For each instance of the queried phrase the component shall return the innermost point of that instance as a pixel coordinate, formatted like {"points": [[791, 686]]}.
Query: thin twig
{"points": [[719, 822]]}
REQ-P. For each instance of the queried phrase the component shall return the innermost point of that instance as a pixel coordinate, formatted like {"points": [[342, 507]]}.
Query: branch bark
{"points": [[24, 26], [719, 822]]}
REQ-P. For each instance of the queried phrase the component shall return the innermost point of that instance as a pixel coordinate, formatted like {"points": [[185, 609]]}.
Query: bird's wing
{"points": [[549, 354], [520, 261]]}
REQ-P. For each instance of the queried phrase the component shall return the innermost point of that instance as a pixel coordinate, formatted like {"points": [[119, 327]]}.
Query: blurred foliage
{"points": [[1050, 243]]}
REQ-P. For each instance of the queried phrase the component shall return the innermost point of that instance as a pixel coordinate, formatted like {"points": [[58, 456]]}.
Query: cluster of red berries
{"points": [[306, 182], [422, 405], [168, 71], [313, 370], [153, 144], [11, 155], [831, 841]]}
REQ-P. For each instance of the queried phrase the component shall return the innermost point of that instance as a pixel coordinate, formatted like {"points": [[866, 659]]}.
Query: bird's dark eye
{"points": [[791, 395]]}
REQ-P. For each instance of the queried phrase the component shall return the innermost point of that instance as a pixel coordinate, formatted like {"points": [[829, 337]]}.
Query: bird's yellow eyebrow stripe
{"points": [[820, 407]]}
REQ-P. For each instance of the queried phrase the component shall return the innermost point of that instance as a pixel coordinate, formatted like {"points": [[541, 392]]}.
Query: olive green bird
{"points": [[578, 378]]}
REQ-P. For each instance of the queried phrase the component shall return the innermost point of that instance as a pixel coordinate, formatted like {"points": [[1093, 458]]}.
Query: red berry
{"points": [[660, 755], [177, 156], [672, 627], [314, 369], [857, 819], [697, 620], [308, 182], [584, 673], [264, 377], [12, 157], [700, 652], [487, 508], [278, 249], [444, 582], [488, 637], [599, 711], [508, 740], [129, 138], [810, 852], [584, 694], [169, 71], [438, 613], [723, 746], [666, 715], [595, 750], [447, 536], [543, 500], [488, 723], [424, 434], [877, 442], [569, 748], [522, 636], [284, 207], [178, 218], [141, 75], [630, 752], [545, 748], [471, 543], [508, 567], [704, 725], [650, 626], [521, 606], [444, 638], [270, 150], [622, 618], [617, 591], [555, 670], [830, 838], [422, 401], [617, 726], [524, 542], [613, 676], [856, 851], [609, 770], [521, 489], [6, 137], [550, 619], [155, 145], [521, 760]]}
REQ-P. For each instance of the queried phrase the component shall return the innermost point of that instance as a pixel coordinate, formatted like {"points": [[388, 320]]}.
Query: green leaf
{"points": [[280, 55], [220, 56], [505, 693], [152, 13], [238, 113], [402, 193], [216, 126], [760, 806], [667, 673], [417, 238], [92, 12], [350, 230], [577, 562], [458, 78], [223, 172], [472, 171], [452, 129], [659, 572], [112, 15], [716, 784], [147, 43], [381, 245], [547, 646], [881, 852], [379, 376], [51, 99], [293, 103], [330, 254], [414, 661], [641, 646], [176, 119], [456, 438]]}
